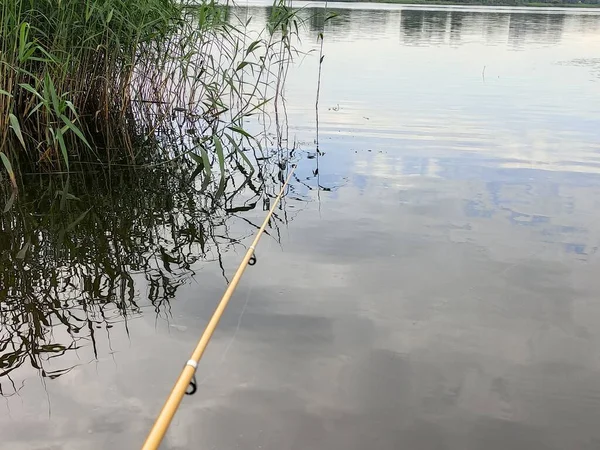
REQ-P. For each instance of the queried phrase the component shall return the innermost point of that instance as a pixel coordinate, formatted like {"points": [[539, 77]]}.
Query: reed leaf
{"points": [[16, 127], [9, 169]]}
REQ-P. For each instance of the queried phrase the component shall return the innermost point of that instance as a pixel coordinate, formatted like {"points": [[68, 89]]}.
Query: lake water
{"points": [[432, 282]]}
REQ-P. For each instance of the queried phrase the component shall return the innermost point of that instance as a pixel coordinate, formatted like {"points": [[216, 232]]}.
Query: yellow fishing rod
{"points": [[169, 409]]}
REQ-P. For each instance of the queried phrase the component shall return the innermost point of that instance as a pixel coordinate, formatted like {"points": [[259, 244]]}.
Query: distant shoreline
{"points": [[479, 3]]}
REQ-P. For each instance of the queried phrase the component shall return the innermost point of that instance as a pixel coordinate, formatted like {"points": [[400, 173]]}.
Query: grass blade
{"points": [[206, 161], [10, 201], [16, 127], [9, 169], [76, 221], [75, 129], [240, 152], [63, 147], [23, 251], [31, 89], [220, 155]]}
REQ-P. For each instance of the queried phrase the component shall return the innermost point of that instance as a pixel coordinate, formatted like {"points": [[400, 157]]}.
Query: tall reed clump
{"points": [[65, 71], [93, 80]]}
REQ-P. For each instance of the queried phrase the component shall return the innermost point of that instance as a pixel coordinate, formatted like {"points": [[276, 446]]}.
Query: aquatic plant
{"points": [[90, 82], [157, 92]]}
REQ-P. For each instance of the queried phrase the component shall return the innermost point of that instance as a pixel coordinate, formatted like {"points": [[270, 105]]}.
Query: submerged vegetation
{"points": [[90, 83]]}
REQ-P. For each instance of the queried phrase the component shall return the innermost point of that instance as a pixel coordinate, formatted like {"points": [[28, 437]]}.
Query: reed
{"points": [[91, 82]]}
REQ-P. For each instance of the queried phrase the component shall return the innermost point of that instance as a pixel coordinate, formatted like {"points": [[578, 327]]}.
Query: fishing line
{"points": [[184, 382], [251, 286]]}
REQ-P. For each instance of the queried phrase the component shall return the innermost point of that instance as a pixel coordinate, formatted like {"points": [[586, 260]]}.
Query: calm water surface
{"points": [[440, 290]]}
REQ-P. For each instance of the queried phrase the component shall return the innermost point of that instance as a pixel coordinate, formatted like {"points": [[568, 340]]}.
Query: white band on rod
{"points": [[192, 363]]}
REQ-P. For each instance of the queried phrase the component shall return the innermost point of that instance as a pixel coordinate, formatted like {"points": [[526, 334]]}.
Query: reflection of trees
{"points": [[494, 25], [586, 23], [411, 23], [456, 24], [71, 265], [317, 20], [370, 22], [346, 21], [423, 26], [426, 26], [538, 27]]}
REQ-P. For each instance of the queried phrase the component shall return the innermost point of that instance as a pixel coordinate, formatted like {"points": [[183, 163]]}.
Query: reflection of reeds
{"points": [[92, 80], [70, 265]]}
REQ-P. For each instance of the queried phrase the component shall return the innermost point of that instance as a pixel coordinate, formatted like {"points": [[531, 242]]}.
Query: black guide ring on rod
{"points": [[252, 261], [193, 387]]}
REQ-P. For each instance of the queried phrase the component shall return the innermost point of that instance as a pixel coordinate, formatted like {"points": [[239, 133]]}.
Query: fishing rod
{"points": [[159, 429]]}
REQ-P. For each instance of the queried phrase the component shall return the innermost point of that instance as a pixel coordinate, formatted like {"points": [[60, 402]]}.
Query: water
{"points": [[440, 290]]}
